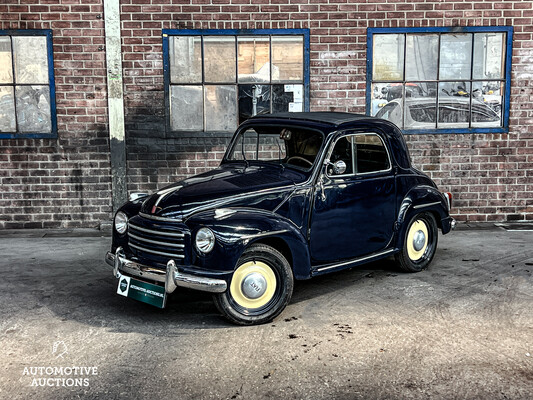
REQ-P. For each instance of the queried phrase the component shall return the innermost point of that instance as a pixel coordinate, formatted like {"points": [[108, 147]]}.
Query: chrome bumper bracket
{"points": [[172, 278]]}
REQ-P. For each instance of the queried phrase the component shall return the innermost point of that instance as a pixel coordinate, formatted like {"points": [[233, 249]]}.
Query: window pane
{"points": [[6, 67], [185, 55], [254, 59], [454, 105], [489, 55], [388, 57], [33, 109], [421, 57], [287, 58], [287, 98], [219, 59], [220, 108], [7, 110], [420, 105], [487, 104], [31, 59], [247, 108], [371, 155], [342, 152], [455, 56], [186, 108]]}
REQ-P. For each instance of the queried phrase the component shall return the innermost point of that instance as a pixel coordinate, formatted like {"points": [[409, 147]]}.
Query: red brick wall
{"points": [[64, 182], [489, 174]]}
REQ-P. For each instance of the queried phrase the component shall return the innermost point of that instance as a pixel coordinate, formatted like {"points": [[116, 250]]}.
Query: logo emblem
{"points": [[123, 285], [59, 349]]}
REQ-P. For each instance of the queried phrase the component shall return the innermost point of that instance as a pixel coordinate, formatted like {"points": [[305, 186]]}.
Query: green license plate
{"points": [[142, 291]]}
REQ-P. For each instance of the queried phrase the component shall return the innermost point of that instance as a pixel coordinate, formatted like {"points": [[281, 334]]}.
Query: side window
{"points": [[362, 153], [371, 154]]}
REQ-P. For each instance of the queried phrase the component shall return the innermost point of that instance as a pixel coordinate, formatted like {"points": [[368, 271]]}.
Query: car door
{"points": [[354, 209]]}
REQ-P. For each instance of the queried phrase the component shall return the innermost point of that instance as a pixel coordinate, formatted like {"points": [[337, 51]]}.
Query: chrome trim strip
{"points": [[263, 234], [161, 253], [171, 277], [181, 246], [355, 260], [156, 218], [178, 235], [426, 205]]}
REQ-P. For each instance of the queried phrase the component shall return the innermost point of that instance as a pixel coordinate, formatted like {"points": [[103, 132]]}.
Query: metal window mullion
{"points": [[271, 86], [471, 82], [14, 83], [404, 78], [204, 118], [438, 84]]}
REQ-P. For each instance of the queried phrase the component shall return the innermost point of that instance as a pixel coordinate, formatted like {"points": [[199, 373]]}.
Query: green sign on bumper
{"points": [[142, 291]]}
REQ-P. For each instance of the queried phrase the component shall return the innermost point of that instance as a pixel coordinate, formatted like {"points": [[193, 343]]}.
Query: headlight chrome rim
{"points": [[121, 222], [205, 240]]}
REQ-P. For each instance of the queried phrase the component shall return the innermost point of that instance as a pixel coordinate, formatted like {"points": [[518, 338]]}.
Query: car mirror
{"points": [[339, 167]]}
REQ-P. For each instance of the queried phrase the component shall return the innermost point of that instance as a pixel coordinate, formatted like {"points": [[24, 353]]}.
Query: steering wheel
{"points": [[300, 159]]}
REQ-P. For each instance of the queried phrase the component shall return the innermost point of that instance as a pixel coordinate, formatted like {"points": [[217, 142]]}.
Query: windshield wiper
{"points": [[279, 155], [246, 164]]}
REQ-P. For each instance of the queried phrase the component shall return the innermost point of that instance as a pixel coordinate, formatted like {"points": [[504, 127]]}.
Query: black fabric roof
{"points": [[333, 118]]}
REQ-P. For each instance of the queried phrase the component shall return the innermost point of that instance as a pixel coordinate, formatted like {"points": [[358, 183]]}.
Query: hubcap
{"points": [[419, 240], [254, 285]]}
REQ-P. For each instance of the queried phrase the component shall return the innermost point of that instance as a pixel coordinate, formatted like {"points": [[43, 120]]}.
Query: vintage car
{"points": [[296, 195]]}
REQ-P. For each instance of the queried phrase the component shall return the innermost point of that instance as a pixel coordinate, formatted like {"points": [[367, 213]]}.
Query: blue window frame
{"points": [[440, 79], [27, 87], [216, 79]]}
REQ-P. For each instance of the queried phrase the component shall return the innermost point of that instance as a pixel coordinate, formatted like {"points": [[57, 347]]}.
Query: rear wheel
{"points": [[260, 288], [420, 243]]}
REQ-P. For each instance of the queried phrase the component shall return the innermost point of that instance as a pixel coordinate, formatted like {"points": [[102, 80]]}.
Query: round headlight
{"points": [[121, 222], [205, 240]]}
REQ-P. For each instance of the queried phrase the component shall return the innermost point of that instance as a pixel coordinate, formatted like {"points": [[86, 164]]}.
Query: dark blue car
{"points": [[297, 195]]}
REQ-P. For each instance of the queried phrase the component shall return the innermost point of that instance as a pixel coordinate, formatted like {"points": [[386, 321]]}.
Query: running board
{"points": [[351, 263]]}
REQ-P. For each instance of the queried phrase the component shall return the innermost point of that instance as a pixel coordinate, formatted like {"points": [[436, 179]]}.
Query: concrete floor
{"points": [[461, 330]]}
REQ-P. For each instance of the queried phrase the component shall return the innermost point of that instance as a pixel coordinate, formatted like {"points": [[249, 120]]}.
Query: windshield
{"points": [[293, 147]]}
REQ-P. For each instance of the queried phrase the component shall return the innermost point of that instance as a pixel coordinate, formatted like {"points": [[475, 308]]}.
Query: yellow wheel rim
{"points": [[417, 240], [252, 279]]}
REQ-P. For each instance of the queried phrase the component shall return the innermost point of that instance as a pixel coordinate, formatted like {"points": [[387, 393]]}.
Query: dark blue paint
{"points": [[361, 214], [51, 81], [453, 29]]}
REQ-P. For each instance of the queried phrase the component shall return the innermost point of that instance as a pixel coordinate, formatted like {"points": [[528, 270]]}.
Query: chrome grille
{"points": [[159, 242]]}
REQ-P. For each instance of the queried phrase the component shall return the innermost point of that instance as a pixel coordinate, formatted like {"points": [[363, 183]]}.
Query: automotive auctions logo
{"points": [[66, 376]]}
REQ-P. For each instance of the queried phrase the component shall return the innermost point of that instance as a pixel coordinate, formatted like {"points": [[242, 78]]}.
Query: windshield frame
{"points": [[245, 127]]}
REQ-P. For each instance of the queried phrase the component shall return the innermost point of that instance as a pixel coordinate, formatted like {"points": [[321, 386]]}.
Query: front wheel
{"points": [[419, 244], [260, 288]]}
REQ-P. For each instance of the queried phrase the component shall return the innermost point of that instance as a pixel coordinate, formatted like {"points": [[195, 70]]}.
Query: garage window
{"points": [[27, 93], [215, 80], [440, 80]]}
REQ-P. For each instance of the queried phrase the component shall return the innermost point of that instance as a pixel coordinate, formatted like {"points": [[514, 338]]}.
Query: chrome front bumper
{"points": [[172, 278]]}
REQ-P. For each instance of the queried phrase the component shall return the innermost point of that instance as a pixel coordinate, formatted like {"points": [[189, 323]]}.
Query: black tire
{"points": [[267, 265], [417, 255]]}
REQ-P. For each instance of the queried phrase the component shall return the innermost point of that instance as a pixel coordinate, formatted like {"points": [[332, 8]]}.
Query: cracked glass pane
{"points": [[33, 109], [31, 59], [455, 56], [254, 59], [219, 59], [6, 68], [185, 53], [7, 110], [253, 100], [287, 58], [220, 108], [388, 57], [186, 108], [489, 55]]}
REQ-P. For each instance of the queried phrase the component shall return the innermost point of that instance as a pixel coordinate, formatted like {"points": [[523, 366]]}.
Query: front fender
{"points": [[238, 228], [419, 199]]}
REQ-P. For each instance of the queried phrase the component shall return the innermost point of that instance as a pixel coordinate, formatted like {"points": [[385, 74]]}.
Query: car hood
{"points": [[256, 186]]}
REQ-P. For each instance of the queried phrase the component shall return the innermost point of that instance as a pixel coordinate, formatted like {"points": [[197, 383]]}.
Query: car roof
{"points": [[330, 118]]}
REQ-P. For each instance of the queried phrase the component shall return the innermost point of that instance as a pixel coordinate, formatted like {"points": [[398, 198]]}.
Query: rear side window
{"points": [[362, 153]]}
